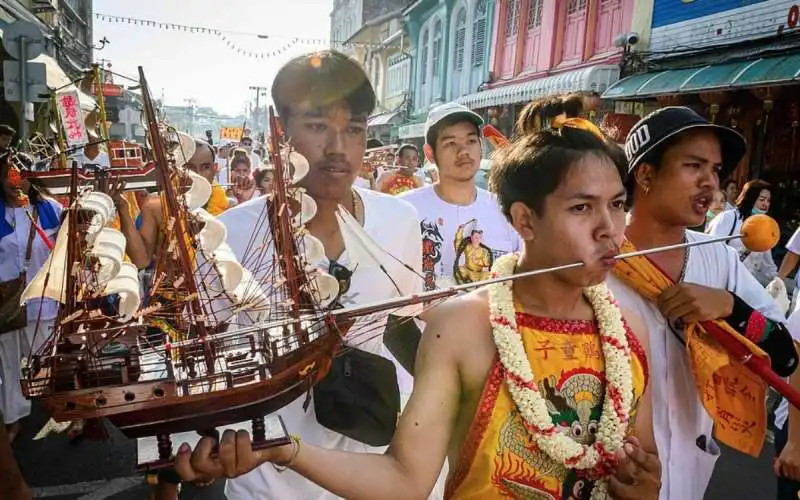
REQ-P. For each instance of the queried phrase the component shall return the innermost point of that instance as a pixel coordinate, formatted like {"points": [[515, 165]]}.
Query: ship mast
{"points": [[173, 209], [280, 217], [73, 253]]}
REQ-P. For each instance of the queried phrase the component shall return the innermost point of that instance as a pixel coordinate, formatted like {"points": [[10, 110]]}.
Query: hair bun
{"points": [[561, 122]]}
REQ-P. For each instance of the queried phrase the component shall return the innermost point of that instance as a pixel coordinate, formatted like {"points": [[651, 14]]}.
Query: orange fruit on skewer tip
{"points": [[760, 233]]}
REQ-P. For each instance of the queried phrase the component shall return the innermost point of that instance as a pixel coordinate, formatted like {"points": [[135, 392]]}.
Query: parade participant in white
{"points": [[754, 199], [92, 156], [324, 100], [15, 238], [787, 435], [675, 158], [463, 230]]}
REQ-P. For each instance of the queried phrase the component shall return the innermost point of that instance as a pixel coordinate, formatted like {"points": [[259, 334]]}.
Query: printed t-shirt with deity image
{"points": [[460, 243]]}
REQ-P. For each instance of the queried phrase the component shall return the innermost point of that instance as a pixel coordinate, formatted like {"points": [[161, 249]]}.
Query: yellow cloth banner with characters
{"points": [[732, 395], [231, 133]]}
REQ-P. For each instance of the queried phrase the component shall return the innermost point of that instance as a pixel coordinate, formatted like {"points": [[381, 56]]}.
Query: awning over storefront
{"points": [[591, 78], [383, 119], [58, 79], [727, 76]]}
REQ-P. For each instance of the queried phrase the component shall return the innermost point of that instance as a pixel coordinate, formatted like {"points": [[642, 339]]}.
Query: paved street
{"points": [[86, 470]]}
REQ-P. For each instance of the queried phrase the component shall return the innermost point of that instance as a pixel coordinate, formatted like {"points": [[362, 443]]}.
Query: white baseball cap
{"points": [[448, 110]]}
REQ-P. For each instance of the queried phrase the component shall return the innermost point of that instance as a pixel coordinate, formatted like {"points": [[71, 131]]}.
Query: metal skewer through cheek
{"points": [[398, 302]]}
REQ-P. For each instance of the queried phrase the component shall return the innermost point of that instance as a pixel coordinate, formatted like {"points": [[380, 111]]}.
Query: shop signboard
{"points": [[696, 24], [411, 131]]}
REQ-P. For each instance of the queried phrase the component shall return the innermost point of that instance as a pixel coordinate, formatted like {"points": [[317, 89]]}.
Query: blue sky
{"points": [[203, 67]]}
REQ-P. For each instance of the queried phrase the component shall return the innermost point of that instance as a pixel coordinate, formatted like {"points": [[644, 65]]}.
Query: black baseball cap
{"points": [[660, 125]]}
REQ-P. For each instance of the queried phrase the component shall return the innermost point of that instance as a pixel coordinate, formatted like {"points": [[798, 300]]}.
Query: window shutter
{"points": [[423, 67], [437, 48], [479, 34], [461, 34], [478, 41]]}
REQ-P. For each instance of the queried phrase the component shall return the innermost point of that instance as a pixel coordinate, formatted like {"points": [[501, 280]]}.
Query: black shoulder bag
{"points": [[359, 397]]}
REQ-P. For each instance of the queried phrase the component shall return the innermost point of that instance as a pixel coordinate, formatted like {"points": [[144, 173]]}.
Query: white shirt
{"points": [[440, 222], [679, 418], [402, 240], [101, 160], [362, 183], [760, 264], [13, 248], [793, 325]]}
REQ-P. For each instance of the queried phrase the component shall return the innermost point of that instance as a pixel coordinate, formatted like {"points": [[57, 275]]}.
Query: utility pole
{"points": [[260, 91], [190, 103]]}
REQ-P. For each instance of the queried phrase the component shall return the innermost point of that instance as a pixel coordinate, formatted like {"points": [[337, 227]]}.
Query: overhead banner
{"points": [[69, 109], [230, 133]]}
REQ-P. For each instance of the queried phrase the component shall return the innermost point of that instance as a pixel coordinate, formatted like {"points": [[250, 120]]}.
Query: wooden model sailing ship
{"points": [[159, 362]]}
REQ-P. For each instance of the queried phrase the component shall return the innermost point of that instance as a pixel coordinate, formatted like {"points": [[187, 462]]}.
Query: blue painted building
{"points": [[675, 11], [680, 26], [451, 46]]}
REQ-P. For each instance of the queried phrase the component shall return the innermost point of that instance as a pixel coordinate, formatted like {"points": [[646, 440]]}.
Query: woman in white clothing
{"points": [[754, 199], [20, 250]]}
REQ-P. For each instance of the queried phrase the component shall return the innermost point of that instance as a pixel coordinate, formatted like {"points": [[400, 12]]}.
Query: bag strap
{"points": [[31, 235], [735, 220]]}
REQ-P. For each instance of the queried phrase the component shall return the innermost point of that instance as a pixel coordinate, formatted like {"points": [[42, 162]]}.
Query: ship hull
{"points": [[158, 407]]}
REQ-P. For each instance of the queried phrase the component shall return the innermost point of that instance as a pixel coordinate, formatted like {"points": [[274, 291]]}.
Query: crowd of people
{"points": [[587, 382]]}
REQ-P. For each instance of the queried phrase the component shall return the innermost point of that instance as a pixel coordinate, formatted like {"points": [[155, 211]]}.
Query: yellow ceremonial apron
{"points": [[498, 458]]}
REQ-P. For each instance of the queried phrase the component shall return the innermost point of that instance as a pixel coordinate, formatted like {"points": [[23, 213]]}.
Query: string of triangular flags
{"points": [[204, 30]]}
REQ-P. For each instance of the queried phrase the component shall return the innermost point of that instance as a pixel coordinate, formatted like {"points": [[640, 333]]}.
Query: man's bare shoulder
{"points": [[461, 321]]}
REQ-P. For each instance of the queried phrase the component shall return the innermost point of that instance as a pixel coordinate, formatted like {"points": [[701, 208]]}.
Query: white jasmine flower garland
{"points": [[597, 459]]}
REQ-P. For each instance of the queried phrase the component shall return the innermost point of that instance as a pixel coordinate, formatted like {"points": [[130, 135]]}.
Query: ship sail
{"points": [[106, 249]]}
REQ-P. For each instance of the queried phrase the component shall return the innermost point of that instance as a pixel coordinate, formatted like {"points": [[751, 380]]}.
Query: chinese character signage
{"points": [[230, 133], [69, 109]]}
